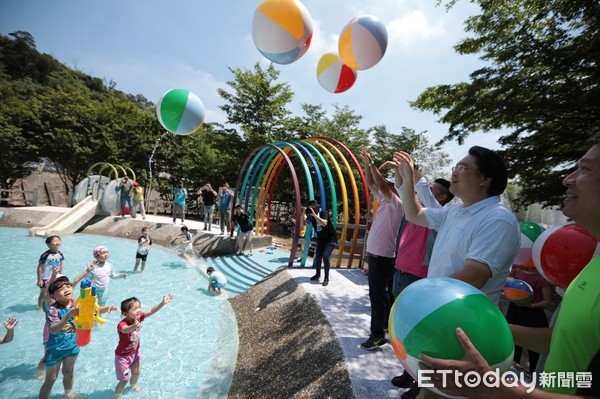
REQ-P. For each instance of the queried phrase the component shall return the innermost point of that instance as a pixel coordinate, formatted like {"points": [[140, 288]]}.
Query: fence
{"points": [[17, 196]]}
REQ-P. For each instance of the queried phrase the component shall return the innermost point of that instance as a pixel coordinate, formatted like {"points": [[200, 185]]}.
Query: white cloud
{"points": [[405, 32]]}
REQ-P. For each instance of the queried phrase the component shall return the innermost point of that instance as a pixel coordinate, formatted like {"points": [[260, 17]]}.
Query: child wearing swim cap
{"points": [[103, 273]]}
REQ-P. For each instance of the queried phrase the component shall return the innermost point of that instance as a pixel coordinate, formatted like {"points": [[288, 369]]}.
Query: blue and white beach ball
{"points": [[363, 42], [180, 111], [333, 75], [282, 30]]}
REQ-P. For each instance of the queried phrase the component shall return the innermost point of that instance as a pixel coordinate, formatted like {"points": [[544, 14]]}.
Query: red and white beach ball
{"points": [[560, 253], [333, 75], [363, 42], [282, 30]]}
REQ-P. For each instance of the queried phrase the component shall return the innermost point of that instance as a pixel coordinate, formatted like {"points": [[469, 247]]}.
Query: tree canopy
{"points": [[541, 84]]}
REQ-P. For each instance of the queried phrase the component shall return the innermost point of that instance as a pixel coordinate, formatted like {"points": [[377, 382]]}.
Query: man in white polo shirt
{"points": [[478, 239]]}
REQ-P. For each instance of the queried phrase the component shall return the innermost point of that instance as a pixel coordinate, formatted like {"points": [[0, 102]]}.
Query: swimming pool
{"points": [[189, 347]]}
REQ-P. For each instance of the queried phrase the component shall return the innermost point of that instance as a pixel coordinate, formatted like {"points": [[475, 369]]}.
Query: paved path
{"points": [[345, 302]]}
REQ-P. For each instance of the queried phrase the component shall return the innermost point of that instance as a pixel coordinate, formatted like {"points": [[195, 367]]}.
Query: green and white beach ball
{"points": [[180, 111], [427, 313]]}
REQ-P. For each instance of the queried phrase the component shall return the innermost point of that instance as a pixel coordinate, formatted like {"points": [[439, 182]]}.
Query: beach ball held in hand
{"points": [[560, 253], [282, 30], [363, 42], [518, 291], [180, 111], [529, 233], [425, 316], [333, 75]]}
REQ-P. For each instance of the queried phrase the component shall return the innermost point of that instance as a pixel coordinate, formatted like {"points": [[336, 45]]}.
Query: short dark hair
{"points": [[145, 229], [312, 203], [50, 238], [491, 165], [58, 284], [210, 269], [128, 303], [446, 184], [184, 228]]}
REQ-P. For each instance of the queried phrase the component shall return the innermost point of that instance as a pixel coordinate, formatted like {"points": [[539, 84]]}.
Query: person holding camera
{"points": [[244, 238], [326, 239], [125, 190]]}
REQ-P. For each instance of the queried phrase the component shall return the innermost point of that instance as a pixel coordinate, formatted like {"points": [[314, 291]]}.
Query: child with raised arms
{"points": [[127, 355], [102, 273]]}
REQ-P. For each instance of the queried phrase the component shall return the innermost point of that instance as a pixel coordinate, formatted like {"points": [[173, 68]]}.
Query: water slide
{"points": [[70, 221]]}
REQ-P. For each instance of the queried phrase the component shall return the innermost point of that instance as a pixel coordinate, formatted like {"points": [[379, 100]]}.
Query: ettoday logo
{"points": [[494, 378]]}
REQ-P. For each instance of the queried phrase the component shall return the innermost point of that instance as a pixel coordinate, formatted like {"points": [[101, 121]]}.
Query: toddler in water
{"points": [[144, 246], [51, 259], [127, 355], [187, 249], [216, 280], [102, 273]]}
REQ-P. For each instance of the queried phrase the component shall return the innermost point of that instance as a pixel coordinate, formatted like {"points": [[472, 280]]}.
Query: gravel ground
{"points": [[287, 347]]}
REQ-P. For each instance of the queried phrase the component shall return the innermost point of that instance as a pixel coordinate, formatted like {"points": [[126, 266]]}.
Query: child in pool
{"points": [[216, 280], [47, 302], [102, 273], [127, 355], [187, 249], [144, 246], [61, 347], [49, 260]]}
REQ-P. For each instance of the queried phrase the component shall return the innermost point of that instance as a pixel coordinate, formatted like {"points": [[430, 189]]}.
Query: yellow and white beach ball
{"points": [[334, 75], [363, 42], [282, 30]]}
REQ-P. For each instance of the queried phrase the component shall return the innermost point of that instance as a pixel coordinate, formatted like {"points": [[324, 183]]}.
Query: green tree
{"points": [[257, 103], [540, 83]]}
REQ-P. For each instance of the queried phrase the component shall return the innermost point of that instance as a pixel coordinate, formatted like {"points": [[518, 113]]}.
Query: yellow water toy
{"points": [[89, 312]]}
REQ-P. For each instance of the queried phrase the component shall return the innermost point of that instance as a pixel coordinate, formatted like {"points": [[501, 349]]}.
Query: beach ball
{"points": [[333, 75], [425, 316], [180, 111], [282, 30], [560, 253], [529, 233], [518, 291], [363, 42]]}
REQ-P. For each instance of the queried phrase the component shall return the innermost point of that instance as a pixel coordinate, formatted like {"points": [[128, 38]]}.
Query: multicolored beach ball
{"points": [[180, 111], [425, 316], [363, 42], [529, 233], [560, 253], [518, 291], [282, 30], [333, 75]]}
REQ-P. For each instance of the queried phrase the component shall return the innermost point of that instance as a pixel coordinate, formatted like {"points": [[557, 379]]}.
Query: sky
{"points": [[151, 46]]}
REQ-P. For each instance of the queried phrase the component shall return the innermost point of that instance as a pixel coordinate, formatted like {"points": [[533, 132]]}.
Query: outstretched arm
{"points": [[166, 299], [10, 325], [81, 276]]}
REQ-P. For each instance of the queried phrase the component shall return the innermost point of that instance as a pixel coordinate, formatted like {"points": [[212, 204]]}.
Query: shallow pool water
{"points": [[188, 348]]}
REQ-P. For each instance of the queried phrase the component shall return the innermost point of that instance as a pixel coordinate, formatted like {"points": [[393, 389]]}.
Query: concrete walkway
{"points": [[345, 302]]}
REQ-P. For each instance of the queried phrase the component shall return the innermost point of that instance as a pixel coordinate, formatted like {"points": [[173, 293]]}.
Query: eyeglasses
{"points": [[460, 168]]}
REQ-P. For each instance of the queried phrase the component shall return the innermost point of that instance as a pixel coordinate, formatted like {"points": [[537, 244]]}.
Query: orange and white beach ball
{"points": [[282, 30], [363, 42]]}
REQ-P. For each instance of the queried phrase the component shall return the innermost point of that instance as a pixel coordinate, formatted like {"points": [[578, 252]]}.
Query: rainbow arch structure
{"points": [[325, 168]]}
